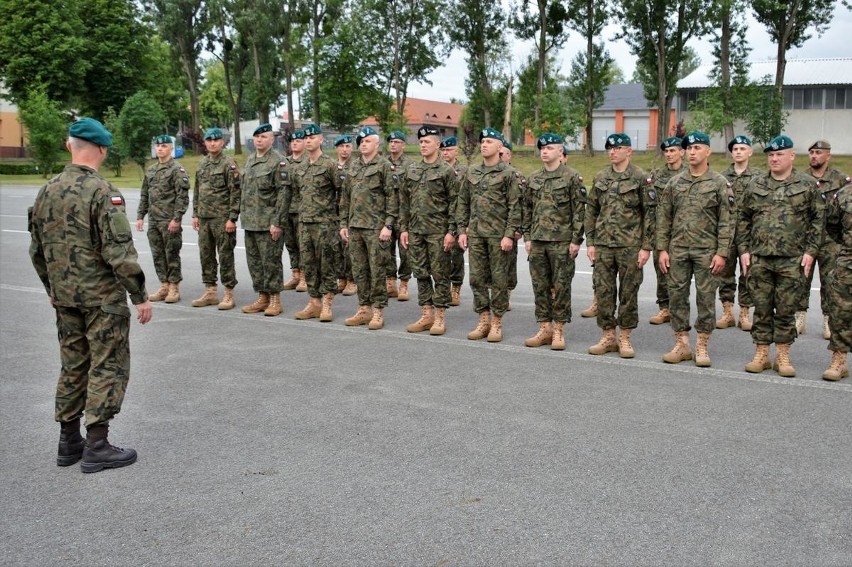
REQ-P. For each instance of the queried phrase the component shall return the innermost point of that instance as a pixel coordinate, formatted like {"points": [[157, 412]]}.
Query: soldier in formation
{"points": [[345, 279], [291, 232], [450, 153], [839, 225], [398, 159]]}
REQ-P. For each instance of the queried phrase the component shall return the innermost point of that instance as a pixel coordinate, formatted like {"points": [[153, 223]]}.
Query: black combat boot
{"points": [[71, 443], [99, 454]]}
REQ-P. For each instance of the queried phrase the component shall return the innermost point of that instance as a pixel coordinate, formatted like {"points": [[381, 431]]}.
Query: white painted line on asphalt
{"points": [[23, 289], [16, 231]]}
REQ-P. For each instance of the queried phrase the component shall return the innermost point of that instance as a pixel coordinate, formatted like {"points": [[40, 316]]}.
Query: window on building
{"points": [[812, 98], [836, 98]]}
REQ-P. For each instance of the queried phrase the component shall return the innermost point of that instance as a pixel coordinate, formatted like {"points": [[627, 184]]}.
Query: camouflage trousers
{"points": [[513, 265], [165, 251], [404, 271], [318, 243], [457, 264], [344, 262], [825, 260], [683, 264], [662, 283], [213, 237], [489, 275], [263, 256], [729, 282], [551, 267], [94, 348], [291, 241], [431, 265], [775, 284], [840, 304], [617, 277], [369, 257]]}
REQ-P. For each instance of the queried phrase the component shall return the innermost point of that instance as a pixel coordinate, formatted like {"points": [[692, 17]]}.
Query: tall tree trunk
{"points": [[485, 85], [235, 109], [262, 111], [542, 59], [589, 149], [188, 63], [725, 67]]}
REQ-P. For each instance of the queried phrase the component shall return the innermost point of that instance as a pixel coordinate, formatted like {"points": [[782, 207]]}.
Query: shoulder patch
{"points": [[116, 200], [583, 191], [652, 194], [282, 164], [580, 177], [649, 181], [232, 167], [393, 167], [182, 170]]}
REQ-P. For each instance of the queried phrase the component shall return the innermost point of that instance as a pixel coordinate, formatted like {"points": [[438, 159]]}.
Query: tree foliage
{"points": [[555, 110], [140, 119], [116, 154], [47, 128]]}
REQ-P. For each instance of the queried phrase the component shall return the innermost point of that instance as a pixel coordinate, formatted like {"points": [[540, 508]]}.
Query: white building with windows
{"points": [[817, 96]]}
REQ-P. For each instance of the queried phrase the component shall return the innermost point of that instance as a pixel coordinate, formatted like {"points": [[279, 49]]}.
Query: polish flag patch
{"points": [[116, 200]]}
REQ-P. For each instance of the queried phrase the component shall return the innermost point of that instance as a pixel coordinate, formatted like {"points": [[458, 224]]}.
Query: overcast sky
{"points": [[448, 81]]}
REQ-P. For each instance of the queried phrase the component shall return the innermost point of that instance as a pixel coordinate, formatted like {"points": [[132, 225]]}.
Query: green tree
{"points": [[140, 119], [166, 84], [766, 117], [213, 95], [116, 154], [554, 111], [47, 127]]}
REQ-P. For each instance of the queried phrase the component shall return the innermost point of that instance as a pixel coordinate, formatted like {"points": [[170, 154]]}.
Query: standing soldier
{"points": [[317, 184], [428, 229], [778, 233], [829, 182], [450, 153], [164, 198], [291, 232], [553, 234], [396, 155], [488, 214], [620, 222], [506, 157], [693, 238], [673, 154], [265, 182], [82, 250], [369, 207], [739, 174], [215, 210], [346, 282], [839, 285]]}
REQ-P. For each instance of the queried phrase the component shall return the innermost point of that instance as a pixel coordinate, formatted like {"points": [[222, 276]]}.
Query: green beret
{"points": [[507, 144], [299, 135], [618, 139], [363, 133], [738, 140], [490, 133], [548, 138], [564, 149], [449, 142], [396, 135], [778, 143], [427, 131], [262, 128], [342, 139], [694, 138], [312, 130], [213, 134], [163, 139], [673, 142], [820, 145], [92, 131]]}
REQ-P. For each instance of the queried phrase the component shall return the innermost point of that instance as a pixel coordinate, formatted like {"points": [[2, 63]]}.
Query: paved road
{"points": [[273, 441]]}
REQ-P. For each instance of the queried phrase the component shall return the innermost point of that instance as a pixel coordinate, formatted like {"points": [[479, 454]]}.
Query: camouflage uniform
{"points": [[291, 230], [266, 180], [404, 271], [369, 202], [619, 222], [661, 177], [513, 260], [489, 208], [694, 223], [426, 198], [839, 229], [344, 262], [779, 221], [215, 201], [728, 281], [164, 198], [82, 250], [554, 217], [456, 253]]}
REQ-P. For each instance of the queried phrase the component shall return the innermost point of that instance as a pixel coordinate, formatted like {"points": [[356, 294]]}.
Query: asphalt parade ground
{"points": [[271, 441]]}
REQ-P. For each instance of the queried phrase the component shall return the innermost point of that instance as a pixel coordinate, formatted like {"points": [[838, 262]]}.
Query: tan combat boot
{"points": [[801, 322], [341, 285], [260, 304], [350, 289], [274, 307], [403, 291], [782, 365], [826, 330], [544, 336], [558, 342], [727, 318], [482, 328], [210, 297], [702, 354], [361, 317], [391, 285], [295, 276], [311, 311], [326, 315], [664, 316], [174, 293], [606, 344], [625, 347], [427, 319], [680, 351], [509, 300], [760, 362], [302, 286], [455, 294], [591, 310], [495, 333], [744, 322], [227, 300], [161, 292], [378, 319], [439, 327], [838, 369]]}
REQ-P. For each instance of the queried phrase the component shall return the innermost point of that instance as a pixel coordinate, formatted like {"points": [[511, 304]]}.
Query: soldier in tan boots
{"points": [[839, 223]]}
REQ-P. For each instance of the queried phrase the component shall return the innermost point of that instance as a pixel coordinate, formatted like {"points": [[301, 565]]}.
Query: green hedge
{"points": [[24, 168]]}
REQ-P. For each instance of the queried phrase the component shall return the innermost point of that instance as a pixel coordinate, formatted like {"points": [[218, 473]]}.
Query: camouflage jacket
{"points": [[522, 188], [266, 180], [165, 192], [696, 212], [555, 206], [839, 219], [741, 181], [427, 196], [828, 185], [620, 209], [661, 176], [295, 198], [460, 171], [81, 244], [489, 202], [368, 198], [318, 185], [780, 218], [217, 189]]}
